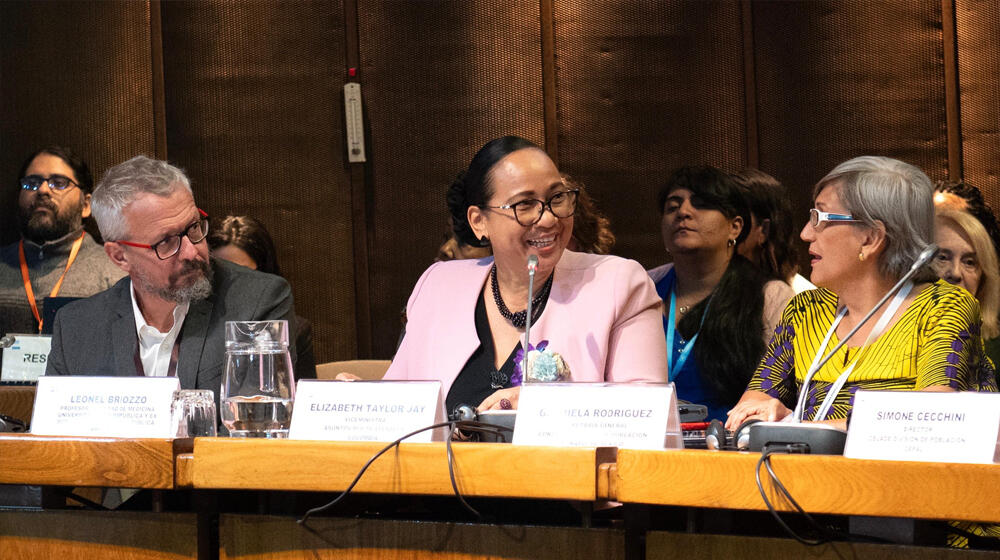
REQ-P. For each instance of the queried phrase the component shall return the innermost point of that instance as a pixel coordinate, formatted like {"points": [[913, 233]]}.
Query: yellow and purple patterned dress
{"points": [[935, 342]]}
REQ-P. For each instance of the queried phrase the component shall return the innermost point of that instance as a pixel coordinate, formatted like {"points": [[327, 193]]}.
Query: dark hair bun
{"points": [[458, 206], [472, 188]]}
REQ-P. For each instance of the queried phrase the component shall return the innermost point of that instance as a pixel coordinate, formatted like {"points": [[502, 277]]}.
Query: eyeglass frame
{"points": [[825, 217], [545, 204], [44, 180], [204, 228]]}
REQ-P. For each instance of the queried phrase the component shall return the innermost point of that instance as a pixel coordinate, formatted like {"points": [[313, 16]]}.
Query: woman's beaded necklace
{"points": [[537, 303]]}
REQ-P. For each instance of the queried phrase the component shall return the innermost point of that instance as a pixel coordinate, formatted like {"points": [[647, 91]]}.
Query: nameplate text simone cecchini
{"points": [[924, 426]]}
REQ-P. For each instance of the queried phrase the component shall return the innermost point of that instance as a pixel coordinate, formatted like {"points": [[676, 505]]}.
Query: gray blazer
{"points": [[97, 336]]}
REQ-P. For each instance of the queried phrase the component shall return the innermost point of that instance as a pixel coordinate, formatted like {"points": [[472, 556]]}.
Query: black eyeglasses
{"points": [[56, 182], [528, 212], [171, 245]]}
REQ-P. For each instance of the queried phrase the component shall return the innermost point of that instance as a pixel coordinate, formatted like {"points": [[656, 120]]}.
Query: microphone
{"points": [[532, 267], [463, 413], [820, 438]]}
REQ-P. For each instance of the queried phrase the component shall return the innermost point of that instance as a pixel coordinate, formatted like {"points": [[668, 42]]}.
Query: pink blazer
{"points": [[603, 316]]}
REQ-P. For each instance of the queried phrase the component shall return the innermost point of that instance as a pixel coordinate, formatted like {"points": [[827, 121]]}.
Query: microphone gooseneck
{"points": [[532, 267], [922, 259]]}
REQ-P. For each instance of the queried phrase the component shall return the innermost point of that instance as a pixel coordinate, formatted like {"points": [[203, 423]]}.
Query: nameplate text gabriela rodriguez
{"points": [[134, 407], [626, 415], [924, 426]]}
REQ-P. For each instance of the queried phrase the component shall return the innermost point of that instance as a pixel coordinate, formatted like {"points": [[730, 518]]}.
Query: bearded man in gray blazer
{"points": [[167, 317]]}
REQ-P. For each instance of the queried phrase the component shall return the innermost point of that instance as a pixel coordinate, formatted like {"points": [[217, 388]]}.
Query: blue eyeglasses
{"points": [[816, 218]]}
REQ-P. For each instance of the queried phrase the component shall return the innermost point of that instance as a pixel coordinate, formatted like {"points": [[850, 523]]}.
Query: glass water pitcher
{"points": [[258, 385]]}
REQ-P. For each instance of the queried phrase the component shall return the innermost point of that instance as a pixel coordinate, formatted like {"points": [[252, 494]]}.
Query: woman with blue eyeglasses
{"points": [[872, 217]]}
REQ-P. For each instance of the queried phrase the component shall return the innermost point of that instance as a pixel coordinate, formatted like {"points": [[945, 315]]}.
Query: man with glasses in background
{"points": [[54, 256], [168, 317]]}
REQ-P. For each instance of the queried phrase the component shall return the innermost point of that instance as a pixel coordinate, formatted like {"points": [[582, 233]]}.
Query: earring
{"points": [[484, 241], [861, 256], [731, 243]]}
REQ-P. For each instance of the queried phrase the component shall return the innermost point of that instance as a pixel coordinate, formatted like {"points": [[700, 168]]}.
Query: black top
{"points": [[478, 378]]}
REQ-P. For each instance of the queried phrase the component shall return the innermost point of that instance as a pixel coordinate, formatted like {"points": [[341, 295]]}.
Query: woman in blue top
{"points": [[719, 309]]}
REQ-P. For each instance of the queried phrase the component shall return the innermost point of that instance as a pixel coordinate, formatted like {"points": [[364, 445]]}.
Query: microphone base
{"points": [[505, 418], [820, 439]]}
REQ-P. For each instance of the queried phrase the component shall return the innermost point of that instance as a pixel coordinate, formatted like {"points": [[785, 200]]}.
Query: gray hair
{"points": [[123, 183], [880, 189]]}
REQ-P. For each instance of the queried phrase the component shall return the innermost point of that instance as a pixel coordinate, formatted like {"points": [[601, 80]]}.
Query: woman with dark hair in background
{"points": [[245, 241], [466, 318], [719, 308], [771, 241]]}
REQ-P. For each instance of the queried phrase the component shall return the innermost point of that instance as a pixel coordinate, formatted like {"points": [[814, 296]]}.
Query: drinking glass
{"points": [[258, 386], [193, 413]]}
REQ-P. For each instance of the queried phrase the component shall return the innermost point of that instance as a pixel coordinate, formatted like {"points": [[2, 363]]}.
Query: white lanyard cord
{"points": [[834, 389]]}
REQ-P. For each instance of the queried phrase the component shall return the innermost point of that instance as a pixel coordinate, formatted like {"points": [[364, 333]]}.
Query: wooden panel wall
{"points": [[837, 80], [978, 40], [250, 104], [440, 80], [253, 113], [632, 107], [72, 73]]}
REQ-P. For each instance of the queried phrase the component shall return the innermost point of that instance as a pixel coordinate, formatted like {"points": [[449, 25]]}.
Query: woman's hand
{"points": [[499, 399], [756, 406], [344, 376]]}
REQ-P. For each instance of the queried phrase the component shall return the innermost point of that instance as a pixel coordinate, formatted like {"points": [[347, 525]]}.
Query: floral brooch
{"points": [[544, 365]]}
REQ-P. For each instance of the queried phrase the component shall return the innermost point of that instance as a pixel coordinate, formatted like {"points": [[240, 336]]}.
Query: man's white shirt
{"points": [[155, 347]]}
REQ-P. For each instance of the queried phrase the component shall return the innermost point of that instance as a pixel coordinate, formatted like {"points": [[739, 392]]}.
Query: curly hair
{"points": [[591, 228]]}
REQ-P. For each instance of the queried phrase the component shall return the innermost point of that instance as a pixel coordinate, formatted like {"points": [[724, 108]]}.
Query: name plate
{"points": [[127, 407], [25, 359], [923, 426], [363, 410], [625, 415]]}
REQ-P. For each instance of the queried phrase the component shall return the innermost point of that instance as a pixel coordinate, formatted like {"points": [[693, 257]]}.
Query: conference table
{"points": [[217, 470]]}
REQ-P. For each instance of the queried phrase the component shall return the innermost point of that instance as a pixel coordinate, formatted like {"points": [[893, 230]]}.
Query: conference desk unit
{"points": [[587, 477]]}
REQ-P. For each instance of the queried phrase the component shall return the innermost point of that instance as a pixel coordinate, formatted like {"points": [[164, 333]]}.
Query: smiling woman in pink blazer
{"points": [[601, 314]]}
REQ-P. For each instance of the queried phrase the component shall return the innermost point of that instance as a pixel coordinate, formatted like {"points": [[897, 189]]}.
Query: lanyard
{"points": [[55, 290], [883, 321], [672, 371]]}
